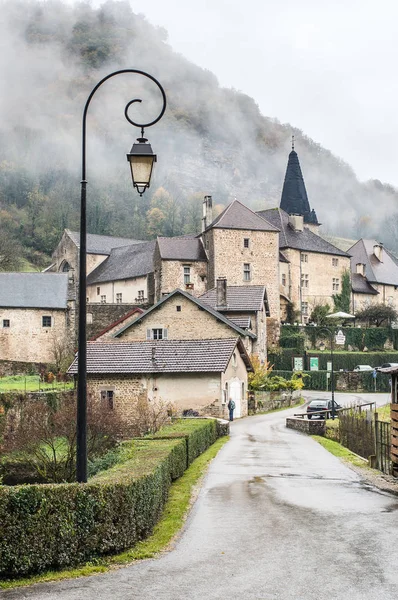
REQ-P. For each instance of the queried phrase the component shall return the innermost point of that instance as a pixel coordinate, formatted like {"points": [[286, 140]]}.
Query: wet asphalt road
{"points": [[278, 517]]}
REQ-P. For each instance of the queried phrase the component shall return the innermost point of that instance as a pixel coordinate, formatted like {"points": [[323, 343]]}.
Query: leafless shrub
{"points": [[150, 415]]}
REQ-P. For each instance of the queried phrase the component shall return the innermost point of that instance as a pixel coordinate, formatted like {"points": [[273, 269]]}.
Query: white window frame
{"points": [[247, 272], [103, 298], [187, 274], [119, 298], [304, 280], [157, 333]]}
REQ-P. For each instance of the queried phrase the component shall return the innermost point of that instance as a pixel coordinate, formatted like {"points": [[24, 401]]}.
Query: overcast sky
{"points": [[328, 68]]}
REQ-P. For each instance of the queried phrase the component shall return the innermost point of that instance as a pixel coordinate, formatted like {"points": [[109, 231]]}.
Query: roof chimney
{"points": [[361, 269], [221, 293], [378, 251], [296, 222], [207, 212]]}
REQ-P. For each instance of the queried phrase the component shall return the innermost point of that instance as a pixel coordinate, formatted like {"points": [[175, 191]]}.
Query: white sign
{"points": [[340, 338]]}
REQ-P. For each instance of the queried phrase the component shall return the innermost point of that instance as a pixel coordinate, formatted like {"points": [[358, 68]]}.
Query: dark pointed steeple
{"points": [[294, 195]]}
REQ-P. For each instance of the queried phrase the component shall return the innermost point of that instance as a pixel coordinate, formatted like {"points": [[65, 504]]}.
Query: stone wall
{"points": [[26, 340], [170, 276], [308, 426], [321, 271], [100, 316], [227, 255], [265, 401]]}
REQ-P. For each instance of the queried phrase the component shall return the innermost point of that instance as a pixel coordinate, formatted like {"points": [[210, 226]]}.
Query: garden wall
{"points": [[265, 401], [308, 426]]}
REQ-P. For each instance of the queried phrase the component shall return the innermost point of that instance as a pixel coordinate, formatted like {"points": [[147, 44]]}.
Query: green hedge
{"points": [[198, 439], [372, 338], [316, 380], [283, 360], [57, 526]]}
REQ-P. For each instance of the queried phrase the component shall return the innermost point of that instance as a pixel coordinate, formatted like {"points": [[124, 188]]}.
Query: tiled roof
{"points": [[294, 198], [242, 322], [198, 302], [238, 216], [101, 244], [385, 271], [304, 240], [33, 290], [161, 356], [240, 298], [181, 248], [124, 263], [360, 285]]}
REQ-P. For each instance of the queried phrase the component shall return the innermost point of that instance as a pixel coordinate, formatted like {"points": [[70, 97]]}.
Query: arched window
{"points": [[65, 267]]}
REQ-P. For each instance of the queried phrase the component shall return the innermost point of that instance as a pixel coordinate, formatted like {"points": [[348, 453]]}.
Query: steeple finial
{"points": [[292, 142]]}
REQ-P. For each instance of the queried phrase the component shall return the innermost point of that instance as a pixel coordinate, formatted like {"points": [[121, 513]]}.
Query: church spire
{"points": [[294, 195]]}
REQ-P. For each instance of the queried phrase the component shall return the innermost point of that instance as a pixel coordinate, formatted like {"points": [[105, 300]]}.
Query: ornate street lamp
{"points": [[141, 160]]}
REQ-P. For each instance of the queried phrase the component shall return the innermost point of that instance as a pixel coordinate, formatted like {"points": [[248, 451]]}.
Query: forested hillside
{"points": [[210, 141]]}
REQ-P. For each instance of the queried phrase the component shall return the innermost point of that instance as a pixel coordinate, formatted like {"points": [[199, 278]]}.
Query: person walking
{"points": [[231, 408]]}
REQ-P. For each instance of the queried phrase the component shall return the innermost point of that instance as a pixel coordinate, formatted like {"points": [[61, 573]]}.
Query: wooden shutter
{"points": [[148, 334]]}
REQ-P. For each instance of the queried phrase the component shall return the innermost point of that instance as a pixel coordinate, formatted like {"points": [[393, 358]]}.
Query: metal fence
{"points": [[383, 445]]}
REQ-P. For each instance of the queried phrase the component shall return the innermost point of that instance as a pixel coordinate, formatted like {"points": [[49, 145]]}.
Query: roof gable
{"points": [[126, 262], [203, 306], [181, 248], [238, 216], [240, 298], [34, 290]]}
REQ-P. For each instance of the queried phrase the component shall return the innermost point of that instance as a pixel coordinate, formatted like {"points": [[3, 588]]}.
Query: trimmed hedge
{"points": [[283, 361], [197, 439], [316, 380], [373, 338], [57, 526]]}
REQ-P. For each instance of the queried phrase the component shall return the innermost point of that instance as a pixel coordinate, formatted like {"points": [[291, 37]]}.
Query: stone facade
{"points": [[206, 393], [125, 291], [27, 340], [190, 322], [312, 278], [169, 275], [388, 294], [100, 316], [66, 258]]}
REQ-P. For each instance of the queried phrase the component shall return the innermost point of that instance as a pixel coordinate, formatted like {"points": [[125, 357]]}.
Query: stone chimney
{"points": [[296, 222], [378, 251], [207, 212], [361, 269], [221, 290]]}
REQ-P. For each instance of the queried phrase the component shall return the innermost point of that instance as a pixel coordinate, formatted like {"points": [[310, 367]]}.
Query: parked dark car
{"points": [[325, 405]]}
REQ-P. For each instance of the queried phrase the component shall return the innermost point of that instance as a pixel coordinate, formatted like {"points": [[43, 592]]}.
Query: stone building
{"points": [[180, 262], [374, 272], [246, 306], [37, 316], [243, 248], [310, 268], [190, 374], [181, 316]]}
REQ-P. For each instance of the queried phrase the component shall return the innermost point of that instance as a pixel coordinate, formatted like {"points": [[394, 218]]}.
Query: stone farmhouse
{"points": [[190, 374], [37, 316], [374, 274]]}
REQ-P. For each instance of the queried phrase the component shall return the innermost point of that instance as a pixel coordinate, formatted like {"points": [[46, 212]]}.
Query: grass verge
{"points": [[174, 514], [338, 450]]}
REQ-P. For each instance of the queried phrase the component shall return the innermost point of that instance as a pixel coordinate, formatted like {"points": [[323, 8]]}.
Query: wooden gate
{"points": [[383, 445]]}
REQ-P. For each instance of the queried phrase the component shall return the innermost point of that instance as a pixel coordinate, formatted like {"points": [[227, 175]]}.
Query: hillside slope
{"points": [[210, 141]]}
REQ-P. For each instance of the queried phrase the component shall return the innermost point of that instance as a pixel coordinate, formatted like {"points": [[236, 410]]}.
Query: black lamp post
{"points": [[331, 335], [141, 160]]}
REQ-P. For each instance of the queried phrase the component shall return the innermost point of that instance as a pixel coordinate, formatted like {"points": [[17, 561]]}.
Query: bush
{"points": [[57, 526], [342, 360], [295, 340]]}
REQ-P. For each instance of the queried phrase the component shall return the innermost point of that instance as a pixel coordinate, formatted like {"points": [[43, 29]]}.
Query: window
{"points": [[107, 397], [46, 321], [118, 298], [246, 242], [304, 258], [140, 295], [304, 280], [336, 284], [98, 291], [304, 308], [178, 308], [103, 299], [187, 275], [283, 279], [157, 333], [335, 262], [246, 272], [6, 322]]}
